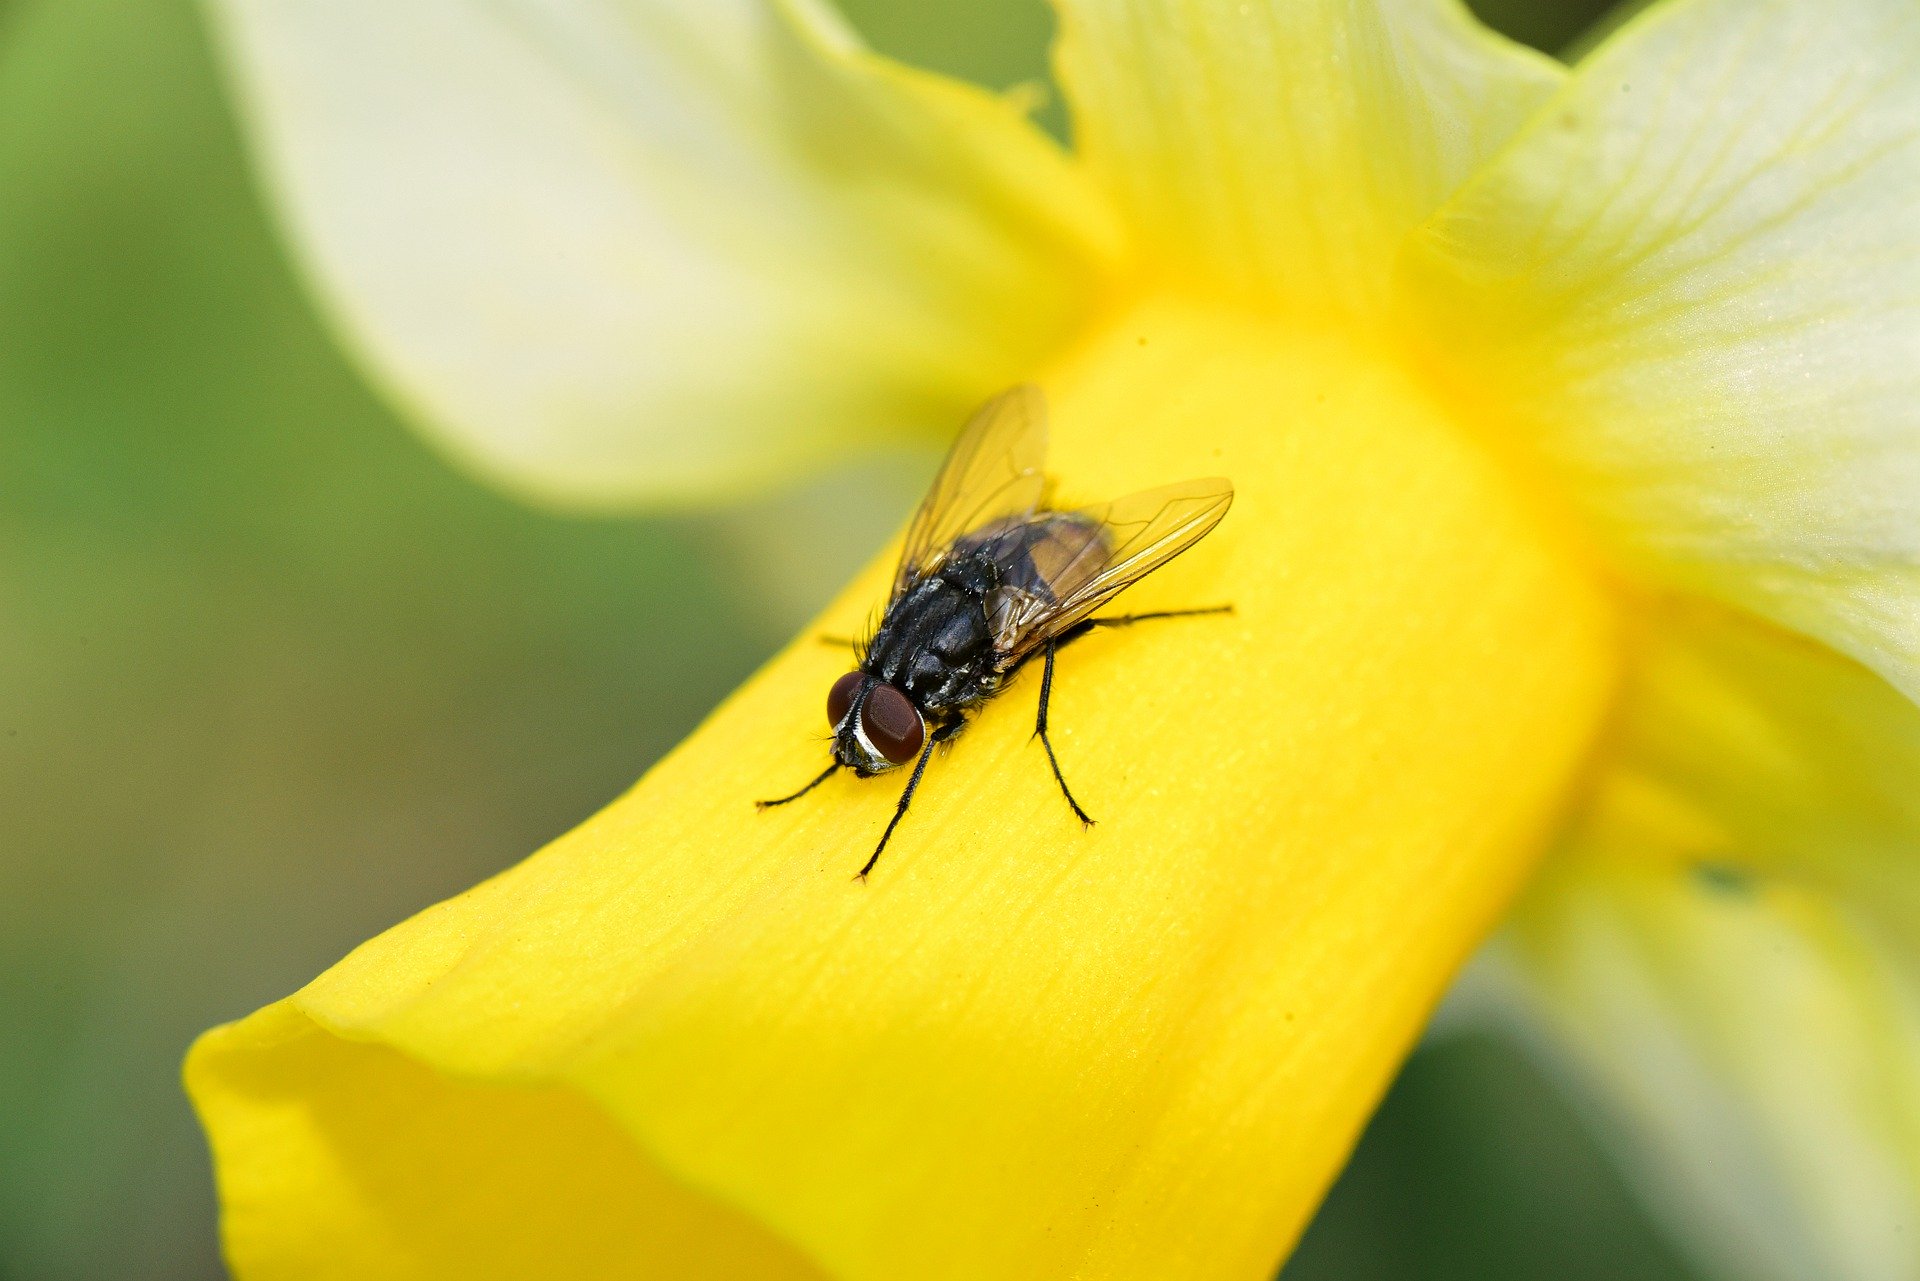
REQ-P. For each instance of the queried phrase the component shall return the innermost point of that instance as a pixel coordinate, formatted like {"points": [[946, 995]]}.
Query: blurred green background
{"points": [[273, 676]]}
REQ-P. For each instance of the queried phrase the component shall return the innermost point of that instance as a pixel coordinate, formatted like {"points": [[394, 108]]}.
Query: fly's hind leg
{"points": [[1040, 731], [1126, 620], [1067, 637], [1087, 625]]}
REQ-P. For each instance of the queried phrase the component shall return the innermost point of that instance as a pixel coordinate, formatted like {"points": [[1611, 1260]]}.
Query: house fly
{"points": [[991, 578]]}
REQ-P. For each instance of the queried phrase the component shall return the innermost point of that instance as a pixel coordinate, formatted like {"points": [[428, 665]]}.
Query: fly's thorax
{"points": [[935, 643]]}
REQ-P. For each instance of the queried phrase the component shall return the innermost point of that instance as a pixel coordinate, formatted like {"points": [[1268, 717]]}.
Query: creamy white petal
{"points": [[1692, 286], [1280, 149], [1729, 952], [628, 249]]}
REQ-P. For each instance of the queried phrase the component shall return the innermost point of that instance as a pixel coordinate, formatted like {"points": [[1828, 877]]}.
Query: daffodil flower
{"points": [[1574, 418]]}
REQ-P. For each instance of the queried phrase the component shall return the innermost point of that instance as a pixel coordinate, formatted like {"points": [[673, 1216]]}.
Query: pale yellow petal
{"points": [[1024, 1049], [609, 251], [1692, 287], [1730, 951], [1280, 149]]}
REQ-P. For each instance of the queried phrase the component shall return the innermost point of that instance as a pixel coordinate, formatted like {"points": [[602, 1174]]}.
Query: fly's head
{"points": [[875, 726]]}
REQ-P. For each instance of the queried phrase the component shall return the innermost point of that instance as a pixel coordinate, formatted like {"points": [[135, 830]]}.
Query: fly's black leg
{"points": [[1040, 730], [1066, 638], [1086, 625], [1124, 620], [840, 642], [900, 810], [824, 776]]}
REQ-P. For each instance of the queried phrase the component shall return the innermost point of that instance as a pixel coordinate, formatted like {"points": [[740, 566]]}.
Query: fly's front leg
{"points": [[1040, 731], [900, 810], [824, 776]]}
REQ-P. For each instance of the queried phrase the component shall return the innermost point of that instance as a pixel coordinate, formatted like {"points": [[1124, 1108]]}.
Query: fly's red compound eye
{"points": [[892, 725], [840, 697]]}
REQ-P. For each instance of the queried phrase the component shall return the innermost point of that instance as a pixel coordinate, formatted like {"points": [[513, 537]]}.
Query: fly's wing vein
{"points": [[993, 471], [1127, 539]]}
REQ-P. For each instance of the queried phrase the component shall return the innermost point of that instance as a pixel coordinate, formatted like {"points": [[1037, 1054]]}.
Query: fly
{"points": [[991, 578]]}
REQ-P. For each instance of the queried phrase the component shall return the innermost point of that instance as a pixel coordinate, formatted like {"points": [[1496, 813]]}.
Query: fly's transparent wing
{"points": [[1093, 554], [992, 472]]}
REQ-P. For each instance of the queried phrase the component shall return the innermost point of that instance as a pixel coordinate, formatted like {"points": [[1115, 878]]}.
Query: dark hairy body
{"points": [[989, 580], [934, 644], [950, 642]]}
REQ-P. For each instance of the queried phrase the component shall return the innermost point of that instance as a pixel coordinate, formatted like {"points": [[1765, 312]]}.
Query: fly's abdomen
{"points": [[1040, 561]]}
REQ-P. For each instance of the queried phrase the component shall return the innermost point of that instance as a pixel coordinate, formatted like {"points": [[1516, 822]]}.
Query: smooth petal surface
{"points": [[1731, 950], [621, 249], [1023, 1049], [428, 1190], [1693, 287], [1280, 149]]}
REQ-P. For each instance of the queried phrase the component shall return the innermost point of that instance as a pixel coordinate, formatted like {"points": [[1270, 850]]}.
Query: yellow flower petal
{"points": [[609, 251], [428, 1189], [1282, 148], [1025, 1050], [1693, 286], [1731, 948]]}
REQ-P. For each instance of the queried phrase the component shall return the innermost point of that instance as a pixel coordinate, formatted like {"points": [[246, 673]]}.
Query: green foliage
{"points": [[275, 675]]}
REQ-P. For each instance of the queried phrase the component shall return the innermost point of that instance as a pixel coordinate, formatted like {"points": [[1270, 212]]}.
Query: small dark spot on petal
{"points": [[1723, 878]]}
